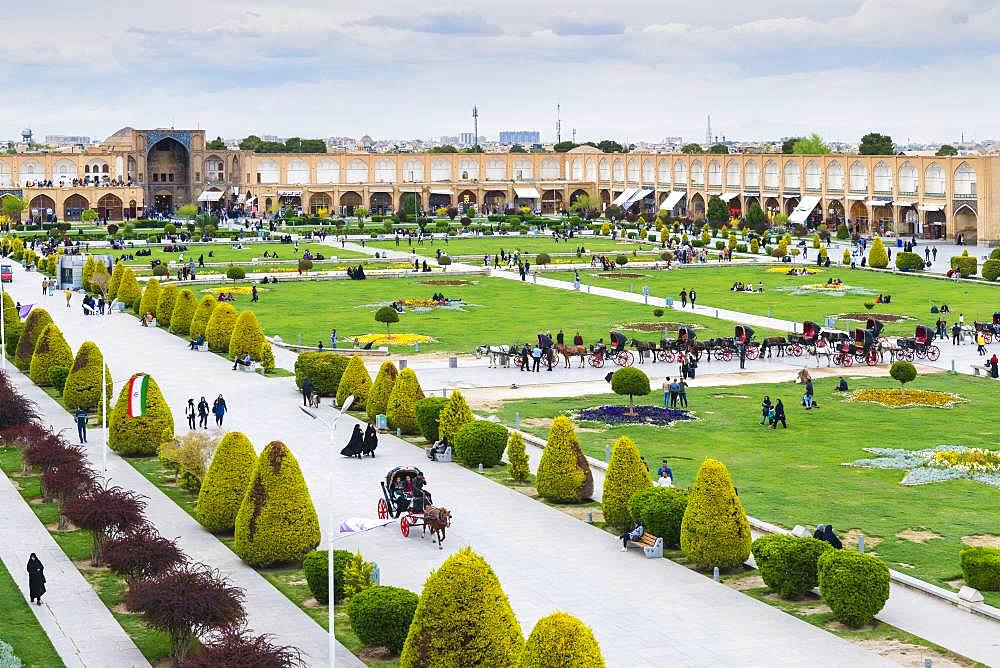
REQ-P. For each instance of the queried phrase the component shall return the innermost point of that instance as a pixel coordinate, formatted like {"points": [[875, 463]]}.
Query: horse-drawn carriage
{"points": [[616, 352], [876, 326], [404, 496], [742, 338], [684, 343], [989, 330], [920, 345], [861, 348], [811, 337]]}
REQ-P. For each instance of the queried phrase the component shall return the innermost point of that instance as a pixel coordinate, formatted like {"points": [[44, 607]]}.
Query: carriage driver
{"points": [[421, 497]]}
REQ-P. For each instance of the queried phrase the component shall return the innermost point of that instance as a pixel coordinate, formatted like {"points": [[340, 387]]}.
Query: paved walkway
{"points": [[81, 628], [545, 559]]}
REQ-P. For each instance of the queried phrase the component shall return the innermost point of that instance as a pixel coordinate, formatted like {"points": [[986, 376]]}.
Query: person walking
{"points": [[980, 344], [189, 412], [807, 400], [692, 295], [80, 417], [203, 413], [666, 391], [36, 579], [307, 391], [333, 338], [684, 298], [69, 296], [779, 415], [934, 252], [254, 295], [219, 409], [956, 334], [682, 397], [765, 409]]}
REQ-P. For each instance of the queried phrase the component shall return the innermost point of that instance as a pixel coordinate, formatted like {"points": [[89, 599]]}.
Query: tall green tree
{"points": [[12, 206], [716, 212], [564, 146], [216, 145], [446, 148], [811, 145], [610, 146], [756, 220], [788, 145], [721, 149], [874, 143], [691, 148], [946, 150], [250, 143]]}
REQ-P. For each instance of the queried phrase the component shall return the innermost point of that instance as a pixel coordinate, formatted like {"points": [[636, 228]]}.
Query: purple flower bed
{"points": [[615, 415]]}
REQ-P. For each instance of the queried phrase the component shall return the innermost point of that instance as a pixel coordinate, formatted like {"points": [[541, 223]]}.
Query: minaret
{"points": [[708, 132], [558, 123], [475, 126]]}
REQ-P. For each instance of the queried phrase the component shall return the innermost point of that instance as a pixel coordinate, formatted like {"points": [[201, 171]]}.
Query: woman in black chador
{"points": [[371, 441], [36, 579], [355, 445]]}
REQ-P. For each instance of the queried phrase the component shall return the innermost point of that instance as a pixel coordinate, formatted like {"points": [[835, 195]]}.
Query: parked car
{"points": [[6, 273]]}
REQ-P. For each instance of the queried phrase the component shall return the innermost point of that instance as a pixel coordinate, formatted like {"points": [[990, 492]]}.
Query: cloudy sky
{"points": [[917, 69]]}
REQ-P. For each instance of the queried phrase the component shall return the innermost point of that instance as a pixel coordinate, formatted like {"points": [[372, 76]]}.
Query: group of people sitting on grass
{"points": [[606, 264], [740, 286], [883, 299], [834, 281], [797, 271], [439, 298], [226, 297], [356, 273], [273, 256]]}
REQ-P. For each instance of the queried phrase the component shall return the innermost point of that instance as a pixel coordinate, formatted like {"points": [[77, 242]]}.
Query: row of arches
{"points": [[411, 170], [109, 207], [63, 171]]}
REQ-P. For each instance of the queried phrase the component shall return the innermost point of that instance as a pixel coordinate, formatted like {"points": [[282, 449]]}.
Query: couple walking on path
{"points": [[201, 411], [688, 296]]}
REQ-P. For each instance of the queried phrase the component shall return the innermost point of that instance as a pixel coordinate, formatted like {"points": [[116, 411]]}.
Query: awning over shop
{"points": [[748, 194], [787, 196], [211, 196], [672, 199], [902, 204], [932, 207], [728, 196], [525, 193], [879, 202], [440, 191], [802, 211], [626, 194], [637, 196], [289, 193]]}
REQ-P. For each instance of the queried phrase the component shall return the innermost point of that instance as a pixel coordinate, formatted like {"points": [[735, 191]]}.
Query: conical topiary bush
{"points": [[715, 531], [563, 473], [355, 381], [378, 396], [626, 475], [454, 416], [83, 384], [116, 279], [140, 427], [561, 641], [101, 279], [219, 330], [246, 337], [201, 315], [36, 321], [10, 314], [165, 305], [129, 292], [277, 522], [184, 308], [463, 618], [51, 350], [88, 271], [401, 410], [226, 482]]}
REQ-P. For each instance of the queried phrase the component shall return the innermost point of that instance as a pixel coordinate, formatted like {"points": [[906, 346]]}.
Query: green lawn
{"points": [[496, 311], [530, 245], [226, 253], [796, 476], [20, 629], [912, 296]]}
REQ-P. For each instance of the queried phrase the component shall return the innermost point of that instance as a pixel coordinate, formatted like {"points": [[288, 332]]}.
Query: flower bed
{"points": [[904, 398], [653, 326], [883, 317], [393, 339], [784, 270], [945, 462], [615, 274], [232, 289], [453, 282], [614, 415]]}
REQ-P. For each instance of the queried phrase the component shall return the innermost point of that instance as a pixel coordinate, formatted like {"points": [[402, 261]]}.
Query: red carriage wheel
{"points": [[872, 357], [752, 352], [624, 358], [846, 359], [383, 509], [404, 524], [596, 361], [933, 353], [726, 355], [920, 353], [987, 337]]}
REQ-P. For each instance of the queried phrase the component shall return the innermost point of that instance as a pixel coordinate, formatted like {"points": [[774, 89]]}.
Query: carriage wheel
{"points": [[752, 352], [848, 360], [860, 357], [872, 358], [404, 524], [987, 338], [668, 356], [383, 509], [725, 354], [933, 353], [920, 353], [624, 358], [907, 354], [596, 361]]}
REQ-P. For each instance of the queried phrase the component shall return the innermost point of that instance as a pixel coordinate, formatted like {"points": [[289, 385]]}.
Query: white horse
{"points": [[494, 352], [824, 349]]}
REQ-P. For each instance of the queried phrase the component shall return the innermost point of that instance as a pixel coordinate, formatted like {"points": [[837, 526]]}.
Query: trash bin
{"points": [[830, 323], [670, 301], [121, 307], [899, 243], [380, 422]]}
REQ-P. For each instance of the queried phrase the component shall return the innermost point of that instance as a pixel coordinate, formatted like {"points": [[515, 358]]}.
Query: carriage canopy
{"points": [[874, 325], [686, 334], [923, 334], [996, 317], [618, 340], [744, 333], [400, 472], [810, 330], [864, 338]]}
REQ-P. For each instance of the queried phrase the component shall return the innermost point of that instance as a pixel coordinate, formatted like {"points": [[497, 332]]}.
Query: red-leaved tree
{"points": [[15, 408], [141, 553], [187, 602], [105, 511], [22, 436], [66, 481], [50, 452], [233, 648]]}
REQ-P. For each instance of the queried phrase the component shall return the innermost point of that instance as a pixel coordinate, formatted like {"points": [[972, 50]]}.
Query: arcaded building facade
{"points": [[138, 171]]}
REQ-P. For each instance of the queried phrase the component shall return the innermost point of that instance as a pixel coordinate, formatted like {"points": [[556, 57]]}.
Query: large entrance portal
{"points": [[163, 202], [168, 167]]}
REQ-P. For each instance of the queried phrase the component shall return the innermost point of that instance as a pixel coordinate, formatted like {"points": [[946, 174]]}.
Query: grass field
{"points": [[786, 298], [541, 244], [495, 311], [20, 629], [226, 253], [796, 476]]}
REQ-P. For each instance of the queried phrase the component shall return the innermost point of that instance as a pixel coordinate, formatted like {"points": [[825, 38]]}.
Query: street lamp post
{"points": [[332, 424]]}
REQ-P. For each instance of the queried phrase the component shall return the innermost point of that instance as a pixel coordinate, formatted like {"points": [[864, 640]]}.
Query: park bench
{"points": [[445, 456], [978, 370], [650, 544], [253, 367]]}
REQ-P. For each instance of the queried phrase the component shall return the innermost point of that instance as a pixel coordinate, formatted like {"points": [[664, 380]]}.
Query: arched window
{"points": [[633, 171], [357, 171], [5, 175], [883, 177], [413, 170], [965, 180], [469, 169], [327, 171], [648, 173], [297, 172], [835, 176], [934, 179], [577, 169], [770, 174], [714, 173], [733, 174], [619, 168], [30, 171], [697, 173], [440, 170], [523, 169], [680, 173], [64, 171], [96, 166], [549, 170], [385, 170], [793, 177], [605, 170], [663, 171], [496, 170], [268, 172], [859, 177], [812, 175], [215, 169], [751, 174], [119, 167], [591, 169], [907, 178]]}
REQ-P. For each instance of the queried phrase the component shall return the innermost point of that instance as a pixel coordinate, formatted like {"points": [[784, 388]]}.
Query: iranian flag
{"points": [[138, 386]]}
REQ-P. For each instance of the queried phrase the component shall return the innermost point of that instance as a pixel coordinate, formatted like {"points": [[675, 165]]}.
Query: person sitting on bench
{"points": [[197, 343], [438, 448], [146, 320], [634, 535], [242, 361]]}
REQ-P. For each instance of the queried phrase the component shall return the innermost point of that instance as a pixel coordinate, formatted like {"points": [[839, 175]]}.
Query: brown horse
{"points": [[436, 520], [572, 351]]}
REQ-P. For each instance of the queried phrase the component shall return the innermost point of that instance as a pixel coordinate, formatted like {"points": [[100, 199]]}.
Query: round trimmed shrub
{"points": [[199, 322], [564, 473], [165, 305], [305, 264], [854, 585], [626, 475], [660, 510], [543, 258], [455, 415], [991, 269], [401, 410], [277, 522], [317, 570], [378, 396], [965, 263], [83, 385], [788, 564], [480, 442], [909, 262], [630, 381], [903, 371], [184, 308], [220, 327], [463, 618], [51, 350], [561, 641], [995, 253], [161, 271], [140, 435], [981, 567], [428, 413], [129, 292], [150, 297], [323, 369], [381, 616], [36, 321], [715, 531], [354, 381], [235, 273], [246, 337], [225, 483]]}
